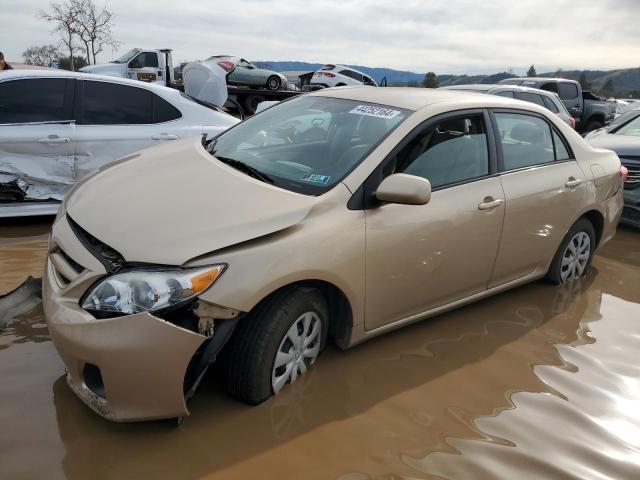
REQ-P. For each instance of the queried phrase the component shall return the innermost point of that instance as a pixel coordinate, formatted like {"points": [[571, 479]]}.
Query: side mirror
{"points": [[404, 189]]}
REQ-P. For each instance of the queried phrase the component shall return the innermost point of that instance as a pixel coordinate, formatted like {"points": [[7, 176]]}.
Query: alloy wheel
{"points": [[575, 257], [297, 351]]}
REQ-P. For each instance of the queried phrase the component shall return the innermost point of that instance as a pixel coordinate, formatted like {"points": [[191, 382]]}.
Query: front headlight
{"points": [[148, 290]]}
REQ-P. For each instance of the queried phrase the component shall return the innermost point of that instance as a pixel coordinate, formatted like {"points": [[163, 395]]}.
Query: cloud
{"points": [[446, 37]]}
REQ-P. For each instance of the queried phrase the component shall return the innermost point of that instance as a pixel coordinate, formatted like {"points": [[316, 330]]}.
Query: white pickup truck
{"points": [[154, 66]]}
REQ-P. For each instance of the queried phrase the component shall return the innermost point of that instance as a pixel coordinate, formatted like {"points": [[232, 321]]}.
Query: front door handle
{"points": [[55, 139], [572, 182], [164, 136], [489, 203]]}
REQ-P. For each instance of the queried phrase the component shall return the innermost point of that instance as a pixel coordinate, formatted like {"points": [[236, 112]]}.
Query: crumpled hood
{"points": [[623, 145], [111, 69], [171, 203]]}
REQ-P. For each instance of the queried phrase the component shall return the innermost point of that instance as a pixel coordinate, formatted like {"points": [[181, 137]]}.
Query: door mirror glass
{"points": [[404, 189]]}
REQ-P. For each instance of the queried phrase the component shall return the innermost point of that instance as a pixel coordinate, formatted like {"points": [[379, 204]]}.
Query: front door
{"points": [[544, 189], [422, 257], [37, 135]]}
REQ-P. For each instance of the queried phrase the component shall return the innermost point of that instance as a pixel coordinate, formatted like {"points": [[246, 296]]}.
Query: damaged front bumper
{"points": [[127, 368]]}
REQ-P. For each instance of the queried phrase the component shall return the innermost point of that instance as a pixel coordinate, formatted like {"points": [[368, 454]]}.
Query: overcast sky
{"points": [[453, 36]]}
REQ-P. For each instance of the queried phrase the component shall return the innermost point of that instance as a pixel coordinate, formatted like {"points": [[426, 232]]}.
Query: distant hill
{"points": [[393, 76], [625, 82]]}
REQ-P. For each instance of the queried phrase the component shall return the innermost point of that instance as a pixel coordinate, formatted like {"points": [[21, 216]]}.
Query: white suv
{"points": [[339, 76], [58, 126]]}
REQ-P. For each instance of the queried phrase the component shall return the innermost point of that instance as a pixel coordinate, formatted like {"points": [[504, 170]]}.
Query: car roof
{"points": [[471, 86], [54, 73], [417, 98], [541, 79]]}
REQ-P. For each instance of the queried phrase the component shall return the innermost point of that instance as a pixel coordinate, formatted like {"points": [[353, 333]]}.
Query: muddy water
{"points": [[539, 382]]}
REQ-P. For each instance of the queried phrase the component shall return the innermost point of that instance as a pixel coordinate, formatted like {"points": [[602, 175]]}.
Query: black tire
{"points": [[554, 274], [341, 85], [593, 125], [251, 352], [273, 83]]}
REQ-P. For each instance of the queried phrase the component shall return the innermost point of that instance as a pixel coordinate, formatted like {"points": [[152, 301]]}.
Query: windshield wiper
{"points": [[246, 168]]}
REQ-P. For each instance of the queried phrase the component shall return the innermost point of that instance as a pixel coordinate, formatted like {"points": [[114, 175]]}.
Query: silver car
{"points": [[549, 100]]}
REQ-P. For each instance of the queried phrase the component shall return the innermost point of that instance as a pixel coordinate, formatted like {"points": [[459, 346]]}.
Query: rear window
{"points": [[550, 105], [36, 100], [112, 104], [531, 98], [567, 91]]}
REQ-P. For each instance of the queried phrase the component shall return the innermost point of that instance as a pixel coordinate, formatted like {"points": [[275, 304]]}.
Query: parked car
{"points": [[58, 126], [590, 111], [248, 75], [339, 76], [549, 100], [623, 137], [335, 216]]}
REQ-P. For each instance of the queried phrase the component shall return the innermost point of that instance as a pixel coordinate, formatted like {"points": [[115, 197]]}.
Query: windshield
{"points": [[126, 57], [632, 128], [308, 144]]}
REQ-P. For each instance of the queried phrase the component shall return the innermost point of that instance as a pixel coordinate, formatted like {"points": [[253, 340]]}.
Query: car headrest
{"points": [[527, 132]]}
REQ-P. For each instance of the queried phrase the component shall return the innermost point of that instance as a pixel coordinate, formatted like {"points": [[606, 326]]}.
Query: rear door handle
{"points": [[488, 205], [164, 136], [572, 182], [54, 140]]}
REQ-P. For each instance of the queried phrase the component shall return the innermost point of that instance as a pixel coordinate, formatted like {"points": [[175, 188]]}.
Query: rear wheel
{"points": [[574, 256], [273, 83], [276, 344]]}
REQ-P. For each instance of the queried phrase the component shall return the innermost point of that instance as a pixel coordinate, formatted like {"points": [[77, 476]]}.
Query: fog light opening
{"points": [[93, 379]]}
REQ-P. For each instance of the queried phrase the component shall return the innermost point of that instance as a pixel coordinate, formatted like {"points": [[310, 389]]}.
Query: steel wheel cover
{"points": [[297, 351], [575, 257]]}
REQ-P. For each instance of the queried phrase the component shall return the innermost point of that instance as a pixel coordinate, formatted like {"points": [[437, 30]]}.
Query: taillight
{"points": [[573, 122], [226, 65], [624, 173], [329, 74]]}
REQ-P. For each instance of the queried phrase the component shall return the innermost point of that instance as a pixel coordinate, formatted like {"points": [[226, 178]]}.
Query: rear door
{"points": [[115, 120], [419, 257], [544, 188], [37, 135]]}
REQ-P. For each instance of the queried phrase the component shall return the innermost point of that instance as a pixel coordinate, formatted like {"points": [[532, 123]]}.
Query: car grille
{"points": [[633, 165], [631, 215], [110, 259], [65, 268]]}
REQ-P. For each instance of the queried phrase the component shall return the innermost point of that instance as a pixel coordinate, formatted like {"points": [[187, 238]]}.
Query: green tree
{"points": [[532, 71], [78, 62], [430, 81]]}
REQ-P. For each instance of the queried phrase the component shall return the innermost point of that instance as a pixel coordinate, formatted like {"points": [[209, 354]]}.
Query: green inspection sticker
{"points": [[315, 178]]}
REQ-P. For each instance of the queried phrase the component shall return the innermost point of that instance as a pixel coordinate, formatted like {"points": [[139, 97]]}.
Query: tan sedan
{"points": [[335, 216]]}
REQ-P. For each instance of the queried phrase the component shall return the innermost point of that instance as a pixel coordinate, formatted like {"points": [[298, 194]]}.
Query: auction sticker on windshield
{"points": [[315, 178], [374, 111]]}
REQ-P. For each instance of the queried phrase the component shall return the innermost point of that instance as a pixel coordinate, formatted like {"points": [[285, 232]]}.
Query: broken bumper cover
{"points": [[127, 368]]}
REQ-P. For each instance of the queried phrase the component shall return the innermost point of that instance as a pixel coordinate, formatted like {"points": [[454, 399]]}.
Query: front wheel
{"points": [[276, 344], [574, 256], [273, 83]]}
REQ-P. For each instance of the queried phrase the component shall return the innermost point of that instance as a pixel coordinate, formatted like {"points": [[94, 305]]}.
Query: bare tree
{"points": [[43, 55], [64, 17], [94, 28]]}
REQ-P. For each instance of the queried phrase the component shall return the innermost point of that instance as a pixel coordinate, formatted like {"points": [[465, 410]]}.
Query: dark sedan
{"points": [[623, 137]]}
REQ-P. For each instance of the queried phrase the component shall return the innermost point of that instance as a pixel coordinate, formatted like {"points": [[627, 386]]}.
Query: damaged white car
{"points": [[57, 126]]}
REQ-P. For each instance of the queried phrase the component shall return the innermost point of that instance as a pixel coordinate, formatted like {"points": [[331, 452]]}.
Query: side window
{"points": [[112, 104], [351, 74], [147, 59], [454, 150], [567, 91], [550, 105], [505, 93], [163, 111], [526, 140], [36, 100], [561, 149], [531, 98], [550, 87]]}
